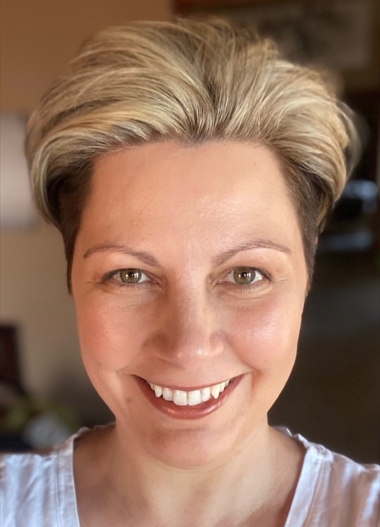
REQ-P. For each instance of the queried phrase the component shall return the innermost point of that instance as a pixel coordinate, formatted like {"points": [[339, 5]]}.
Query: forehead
{"points": [[203, 191]]}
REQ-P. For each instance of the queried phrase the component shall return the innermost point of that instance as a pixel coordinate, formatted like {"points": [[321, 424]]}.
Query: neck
{"points": [[230, 489]]}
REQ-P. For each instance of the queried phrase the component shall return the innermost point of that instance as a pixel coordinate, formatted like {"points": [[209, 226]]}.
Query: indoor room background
{"points": [[333, 394]]}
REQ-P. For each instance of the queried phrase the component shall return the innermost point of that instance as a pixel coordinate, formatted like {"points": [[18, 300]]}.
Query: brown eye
{"points": [[130, 276], [246, 275]]}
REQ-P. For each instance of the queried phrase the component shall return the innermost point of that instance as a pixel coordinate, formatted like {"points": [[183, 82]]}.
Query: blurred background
{"points": [[333, 394]]}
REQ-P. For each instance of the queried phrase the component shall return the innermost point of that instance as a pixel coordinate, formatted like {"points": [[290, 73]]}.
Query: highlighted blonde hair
{"points": [[188, 81]]}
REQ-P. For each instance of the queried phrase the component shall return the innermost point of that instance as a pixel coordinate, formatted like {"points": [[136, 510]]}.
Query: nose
{"points": [[188, 331]]}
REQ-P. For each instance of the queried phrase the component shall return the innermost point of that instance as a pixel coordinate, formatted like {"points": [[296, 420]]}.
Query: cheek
{"points": [[265, 335], [110, 335]]}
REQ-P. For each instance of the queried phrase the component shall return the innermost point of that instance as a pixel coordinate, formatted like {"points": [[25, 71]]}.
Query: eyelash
{"points": [[119, 283], [138, 285], [248, 287]]}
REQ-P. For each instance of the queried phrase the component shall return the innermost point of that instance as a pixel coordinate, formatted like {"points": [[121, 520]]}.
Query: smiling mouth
{"points": [[188, 404], [189, 398]]}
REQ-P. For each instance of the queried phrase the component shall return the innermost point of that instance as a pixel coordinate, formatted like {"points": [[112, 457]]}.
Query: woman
{"points": [[190, 170]]}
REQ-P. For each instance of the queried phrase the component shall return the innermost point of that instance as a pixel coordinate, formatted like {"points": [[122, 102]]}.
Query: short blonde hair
{"points": [[189, 81]]}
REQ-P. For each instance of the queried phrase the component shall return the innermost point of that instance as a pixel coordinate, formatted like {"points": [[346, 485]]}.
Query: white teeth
{"points": [[180, 398], [192, 398], [223, 385], [205, 394], [158, 391], [215, 391], [167, 394]]}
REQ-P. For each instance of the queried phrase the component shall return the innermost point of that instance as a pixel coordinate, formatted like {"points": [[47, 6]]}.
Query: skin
{"points": [[197, 213]]}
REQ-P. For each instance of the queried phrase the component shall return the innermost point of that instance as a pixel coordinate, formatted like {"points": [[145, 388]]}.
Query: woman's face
{"points": [[188, 272]]}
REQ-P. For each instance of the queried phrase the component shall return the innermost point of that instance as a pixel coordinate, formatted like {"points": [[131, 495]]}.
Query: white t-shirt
{"points": [[333, 491]]}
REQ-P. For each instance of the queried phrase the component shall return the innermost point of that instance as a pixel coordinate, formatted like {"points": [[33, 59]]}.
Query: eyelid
{"points": [[112, 274], [248, 267]]}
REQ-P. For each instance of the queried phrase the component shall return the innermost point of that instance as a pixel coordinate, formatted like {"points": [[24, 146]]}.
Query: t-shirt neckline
{"points": [[300, 510]]}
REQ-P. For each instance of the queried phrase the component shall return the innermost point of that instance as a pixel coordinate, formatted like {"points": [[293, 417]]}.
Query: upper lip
{"points": [[186, 388]]}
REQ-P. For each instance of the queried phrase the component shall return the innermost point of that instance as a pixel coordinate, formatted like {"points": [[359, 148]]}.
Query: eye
{"points": [[128, 276], [131, 276], [244, 276]]}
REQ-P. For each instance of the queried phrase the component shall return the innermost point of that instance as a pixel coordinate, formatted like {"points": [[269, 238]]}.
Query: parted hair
{"points": [[189, 81]]}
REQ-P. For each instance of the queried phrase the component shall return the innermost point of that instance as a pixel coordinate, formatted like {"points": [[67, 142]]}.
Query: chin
{"points": [[184, 443], [190, 445]]}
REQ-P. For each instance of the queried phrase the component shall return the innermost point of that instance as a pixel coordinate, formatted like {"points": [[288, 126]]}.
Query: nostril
{"points": [[181, 339]]}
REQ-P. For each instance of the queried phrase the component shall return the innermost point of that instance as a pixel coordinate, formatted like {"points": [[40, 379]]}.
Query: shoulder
{"points": [[358, 483], [19, 468], [345, 493], [24, 480], [340, 471], [36, 487]]}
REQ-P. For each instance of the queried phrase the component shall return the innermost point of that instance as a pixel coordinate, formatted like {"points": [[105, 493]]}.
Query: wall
{"points": [[332, 397], [38, 37]]}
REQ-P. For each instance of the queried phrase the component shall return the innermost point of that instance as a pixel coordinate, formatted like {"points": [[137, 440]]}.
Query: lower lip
{"points": [[187, 412]]}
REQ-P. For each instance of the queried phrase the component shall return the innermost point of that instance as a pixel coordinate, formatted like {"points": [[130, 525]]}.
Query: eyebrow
{"points": [[145, 257], [247, 246], [149, 259]]}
